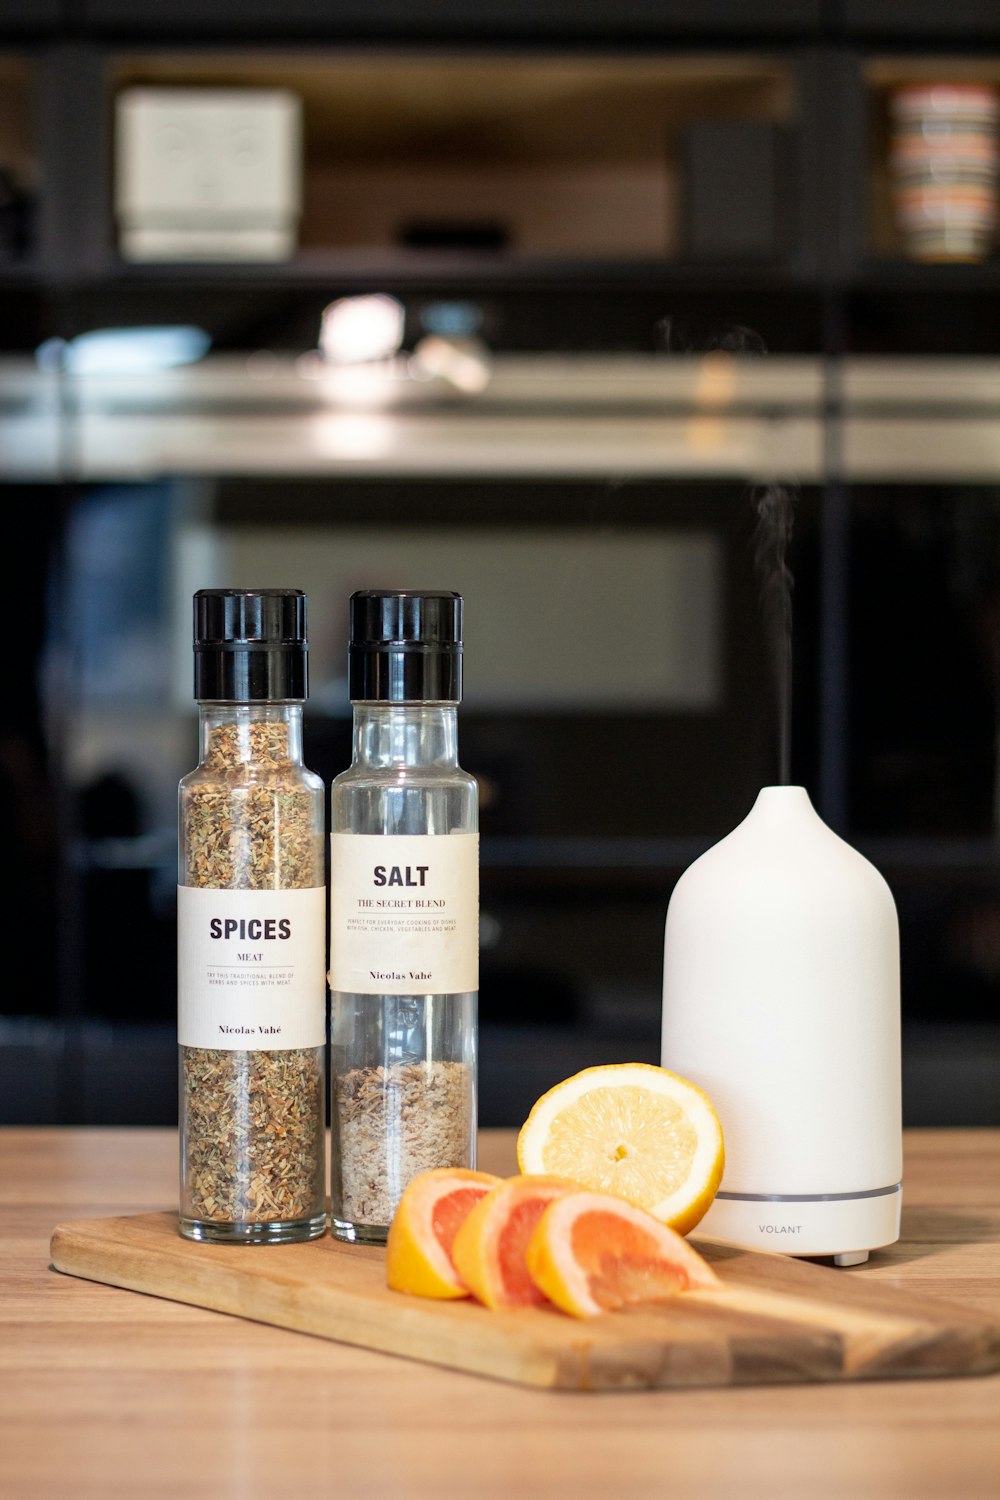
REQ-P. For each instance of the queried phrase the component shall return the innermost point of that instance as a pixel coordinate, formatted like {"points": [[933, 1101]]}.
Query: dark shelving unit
{"points": [[835, 284], [523, 20], [825, 190]]}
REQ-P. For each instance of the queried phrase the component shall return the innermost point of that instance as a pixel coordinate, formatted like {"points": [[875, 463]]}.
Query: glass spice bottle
{"points": [[251, 933], [404, 904]]}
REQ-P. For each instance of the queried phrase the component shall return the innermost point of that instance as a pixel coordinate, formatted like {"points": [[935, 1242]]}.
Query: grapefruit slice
{"points": [[490, 1246], [634, 1130], [431, 1209], [591, 1252]]}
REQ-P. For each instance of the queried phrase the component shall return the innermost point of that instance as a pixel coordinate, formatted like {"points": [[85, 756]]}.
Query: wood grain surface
{"points": [[774, 1319], [109, 1394]]}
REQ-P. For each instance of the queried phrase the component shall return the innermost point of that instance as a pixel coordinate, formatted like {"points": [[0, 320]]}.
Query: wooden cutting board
{"points": [[777, 1319]]}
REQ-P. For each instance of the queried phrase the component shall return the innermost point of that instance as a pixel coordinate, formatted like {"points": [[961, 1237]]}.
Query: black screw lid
{"points": [[250, 645], [406, 646]]}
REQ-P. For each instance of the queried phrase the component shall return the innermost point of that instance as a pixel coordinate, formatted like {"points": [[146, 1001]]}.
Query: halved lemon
{"points": [[432, 1208], [633, 1130], [590, 1252]]}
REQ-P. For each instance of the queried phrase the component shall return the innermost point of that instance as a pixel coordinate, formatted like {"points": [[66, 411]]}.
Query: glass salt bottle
{"points": [[251, 933], [404, 904]]}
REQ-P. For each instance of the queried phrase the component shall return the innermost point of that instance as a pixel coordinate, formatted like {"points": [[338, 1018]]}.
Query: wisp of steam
{"points": [[775, 515], [774, 508]]}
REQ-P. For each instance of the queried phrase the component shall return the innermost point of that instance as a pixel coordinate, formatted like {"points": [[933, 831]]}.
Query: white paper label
{"points": [[404, 913], [250, 969]]}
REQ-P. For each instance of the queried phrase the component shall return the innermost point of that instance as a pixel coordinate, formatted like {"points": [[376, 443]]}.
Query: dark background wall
{"points": [[895, 705]]}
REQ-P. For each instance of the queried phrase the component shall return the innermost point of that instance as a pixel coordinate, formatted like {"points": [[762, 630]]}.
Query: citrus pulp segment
{"points": [[490, 1247], [430, 1212], [591, 1252], [633, 1130]]}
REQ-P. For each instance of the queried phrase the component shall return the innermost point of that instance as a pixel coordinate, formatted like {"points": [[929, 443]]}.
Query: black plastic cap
{"points": [[250, 645], [406, 646]]}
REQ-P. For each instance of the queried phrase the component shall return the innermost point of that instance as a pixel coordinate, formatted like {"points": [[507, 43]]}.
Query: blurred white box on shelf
{"points": [[208, 174]]}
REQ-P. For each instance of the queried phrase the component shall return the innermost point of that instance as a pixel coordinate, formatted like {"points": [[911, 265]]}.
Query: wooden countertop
{"points": [[109, 1394]]}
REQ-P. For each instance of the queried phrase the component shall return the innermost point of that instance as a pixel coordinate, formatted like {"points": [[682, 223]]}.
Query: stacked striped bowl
{"points": [[944, 158]]}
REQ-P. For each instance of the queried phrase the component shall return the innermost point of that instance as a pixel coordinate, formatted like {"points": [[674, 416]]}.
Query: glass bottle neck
{"points": [[405, 734], [251, 733]]}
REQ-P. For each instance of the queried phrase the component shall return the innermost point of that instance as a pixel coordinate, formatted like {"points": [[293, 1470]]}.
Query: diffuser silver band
{"points": [[883, 1192]]}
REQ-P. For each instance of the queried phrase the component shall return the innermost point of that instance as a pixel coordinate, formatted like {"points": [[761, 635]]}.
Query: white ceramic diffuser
{"points": [[781, 1000]]}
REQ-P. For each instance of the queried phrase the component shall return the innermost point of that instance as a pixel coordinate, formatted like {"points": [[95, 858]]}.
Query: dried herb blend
{"points": [[392, 1123], [254, 1132], [251, 950], [249, 822]]}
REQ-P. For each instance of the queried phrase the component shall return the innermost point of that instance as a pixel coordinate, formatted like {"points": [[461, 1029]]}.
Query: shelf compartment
{"points": [[881, 76], [18, 162], [492, 155]]}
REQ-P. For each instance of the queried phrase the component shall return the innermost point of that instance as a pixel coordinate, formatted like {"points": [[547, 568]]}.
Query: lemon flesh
{"points": [[625, 1141], [634, 1130]]}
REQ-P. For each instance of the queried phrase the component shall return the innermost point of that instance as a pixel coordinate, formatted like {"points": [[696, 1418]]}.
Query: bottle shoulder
{"points": [[428, 800], [362, 776]]}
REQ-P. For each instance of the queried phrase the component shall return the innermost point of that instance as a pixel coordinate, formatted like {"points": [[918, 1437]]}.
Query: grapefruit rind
{"points": [[416, 1261], [482, 1261]]}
